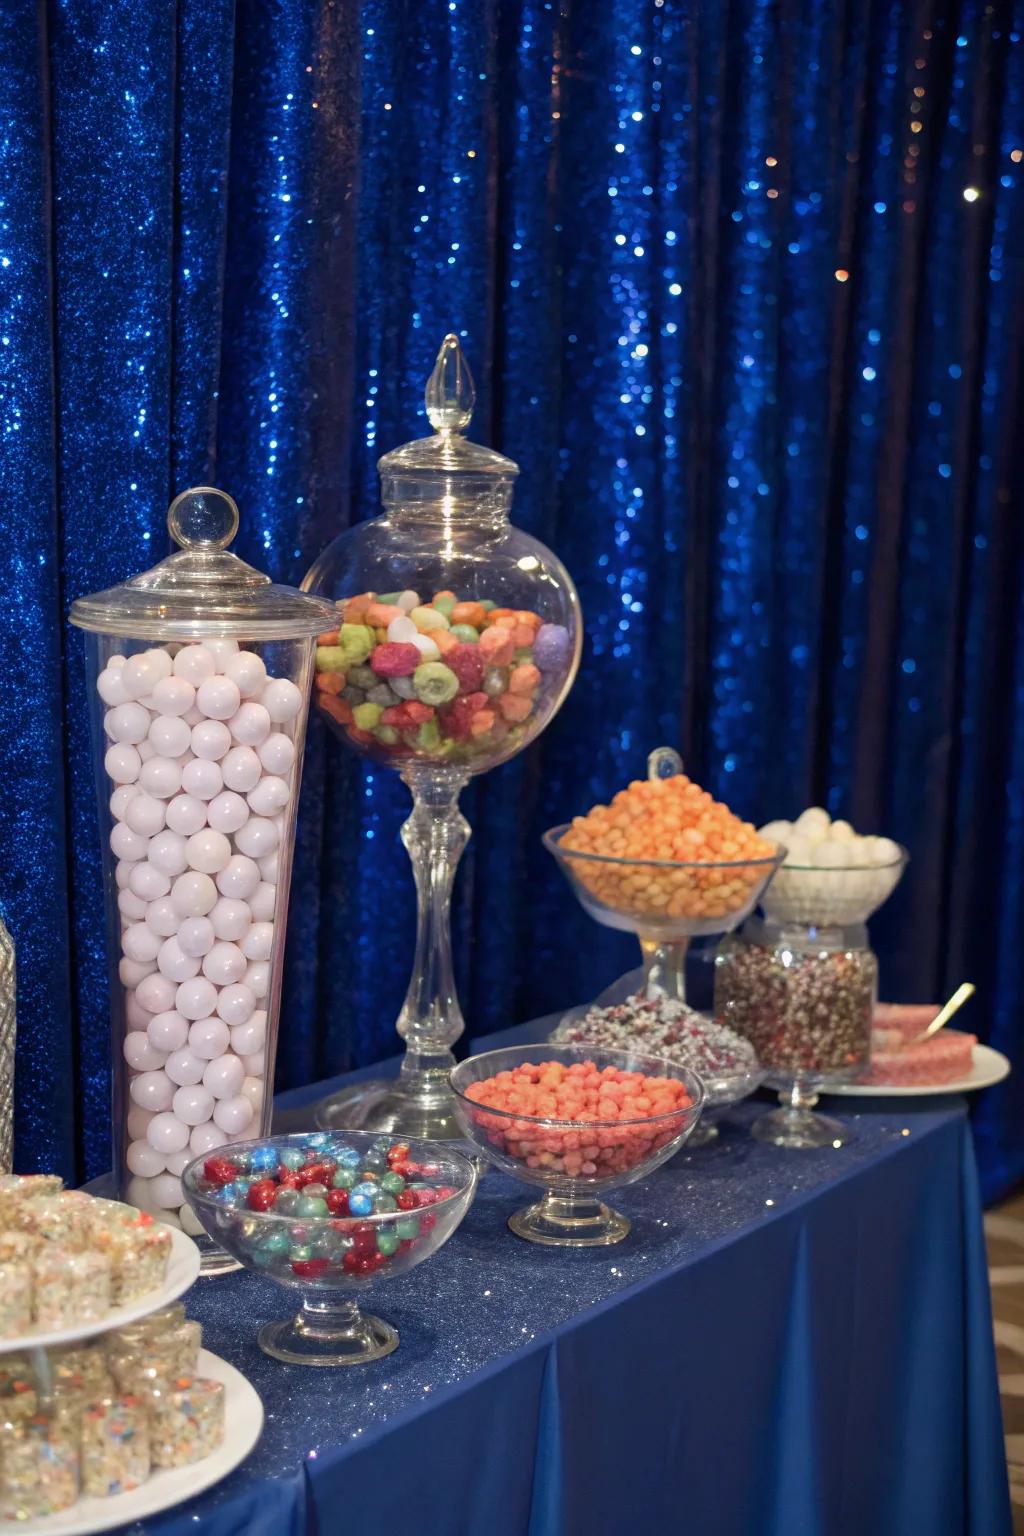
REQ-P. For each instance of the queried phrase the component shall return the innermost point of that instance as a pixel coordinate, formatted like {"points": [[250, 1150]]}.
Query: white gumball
{"points": [[884, 851], [860, 852], [841, 832], [231, 918], [281, 699], [235, 1004], [146, 750], [813, 824], [252, 1089], [140, 674], [193, 1104], [135, 1017], [133, 973], [258, 941], [255, 1064], [830, 854], [776, 832], [193, 894], [184, 1067], [221, 651], [144, 1159], [149, 882], [227, 811], [123, 875], [141, 1055], [173, 696], [166, 1192], [195, 664], [122, 763], [196, 936], [224, 1077], [257, 838], [270, 868], [205, 1138], [211, 739], [193, 716], [262, 901], [190, 1222], [202, 780], [138, 1194], [131, 906], [277, 753], [248, 1038], [168, 1031], [798, 852], [242, 769], [110, 687], [167, 852], [139, 942], [121, 799], [247, 671], [224, 964], [146, 814], [208, 851], [239, 877], [138, 1122], [269, 796], [250, 724], [156, 993], [257, 978], [196, 999], [209, 1038], [161, 776], [186, 813], [218, 698], [233, 1115], [178, 1161], [130, 722], [126, 844], [162, 917], [152, 1090], [174, 963], [170, 735]]}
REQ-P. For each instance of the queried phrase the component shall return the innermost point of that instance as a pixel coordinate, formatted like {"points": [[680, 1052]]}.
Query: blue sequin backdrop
{"points": [[742, 287]]}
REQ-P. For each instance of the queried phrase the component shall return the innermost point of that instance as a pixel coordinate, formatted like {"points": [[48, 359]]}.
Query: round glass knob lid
{"points": [[203, 518], [450, 394]]}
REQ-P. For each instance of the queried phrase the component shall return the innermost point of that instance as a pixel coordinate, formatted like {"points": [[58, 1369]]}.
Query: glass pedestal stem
{"points": [[664, 967], [796, 1123], [330, 1330]]}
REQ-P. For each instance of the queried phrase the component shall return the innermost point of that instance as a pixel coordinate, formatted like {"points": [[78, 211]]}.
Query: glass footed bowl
{"points": [[825, 897], [331, 1259], [534, 1148]]}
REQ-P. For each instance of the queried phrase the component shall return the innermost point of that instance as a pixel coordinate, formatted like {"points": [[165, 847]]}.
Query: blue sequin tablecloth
{"points": [[787, 1342]]}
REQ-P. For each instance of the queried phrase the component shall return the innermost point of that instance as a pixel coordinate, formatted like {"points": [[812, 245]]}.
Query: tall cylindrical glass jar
{"points": [[199, 674]]}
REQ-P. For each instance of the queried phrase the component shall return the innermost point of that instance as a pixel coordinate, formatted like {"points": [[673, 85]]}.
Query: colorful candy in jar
{"points": [[449, 680], [666, 1028]]}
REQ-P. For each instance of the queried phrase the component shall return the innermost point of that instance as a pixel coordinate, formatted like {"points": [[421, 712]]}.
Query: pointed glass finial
{"points": [[450, 394]]}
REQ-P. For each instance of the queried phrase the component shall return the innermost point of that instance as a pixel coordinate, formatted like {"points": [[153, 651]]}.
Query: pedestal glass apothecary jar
{"points": [[801, 983], [456, 638], [199, 677]]}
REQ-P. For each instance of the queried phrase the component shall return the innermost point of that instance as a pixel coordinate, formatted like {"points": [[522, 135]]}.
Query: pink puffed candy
{"points": [[497, 647], [395, 659]]}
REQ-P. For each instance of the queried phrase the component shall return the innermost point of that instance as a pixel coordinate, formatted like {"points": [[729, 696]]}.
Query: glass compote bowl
{"points": [[458, 640], [331, 1259], [537, 1149]]}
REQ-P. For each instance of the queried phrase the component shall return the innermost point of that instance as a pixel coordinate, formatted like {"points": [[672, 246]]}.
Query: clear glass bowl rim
{"points": [[692, 1082], [901, 859], [381, 1218], [552, 842]]}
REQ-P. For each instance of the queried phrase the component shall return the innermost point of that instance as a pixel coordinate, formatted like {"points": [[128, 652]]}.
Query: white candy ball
{"points": [[195, 664], [270, 795], [281, 699], [167, 852], [221, 651], [122, 763], [186, 813], [155, 993], [133, 973], [196, 935], [190, 1222], [162, 917], [167, 1134], [256, 1064], [248, 1038], [239, 877], [178, 1161], [258, 941], [140, 674], [184, 1067], [110, 687], [121, 799], [146, 814], [270, 868], [131, 906], [230, 918], [257, 837], [277, 753], [173, 696], [166, 1193], [813, 823], [860, 852], [208, 851], [148, 882], [829, 854], [193, 894], [174, 963], [202, 779], [193, 716], [402, 631], [141, 1055], [138, 1194], [250, 725], [139, 942], [262, 902], [205, 1137], [137, 1122], [776, 832], [235, 1004], [193, 1104], [224, 1077], [144, 1160], [884, 851], [233, 1115], [224, 964], [211, 738], [122, 875], [257, 978], [146, 750], [130, 722], [116, 662], [242, 769], [209, 1038], [126, 844], [161, 776], [152, 1090], [168, 1031], [841, 832], [196, 999], [247, 671], [799, 852], [218, 698], [227, 811], [135, 1017], [170, 735], [252, 1089]]}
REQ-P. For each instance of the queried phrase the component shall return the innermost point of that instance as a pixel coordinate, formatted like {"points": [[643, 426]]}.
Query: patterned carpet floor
{"points": [[1004, 1232]]}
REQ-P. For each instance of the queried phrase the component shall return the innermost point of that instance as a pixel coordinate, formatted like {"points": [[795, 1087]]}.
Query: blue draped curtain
{"points": [[741, 283]]}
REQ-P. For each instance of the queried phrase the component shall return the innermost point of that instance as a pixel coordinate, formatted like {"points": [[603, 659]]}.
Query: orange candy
{"points": [[469, 613]]}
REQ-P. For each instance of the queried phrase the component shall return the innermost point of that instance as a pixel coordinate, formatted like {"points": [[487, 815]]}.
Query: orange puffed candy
{"points": [[524, 616], [330, 682], [496, 615], [355, 608], [469, 613], [331, 638], [515, 707], [338, 709], [446, 593], [380, 615], [444, 640]]}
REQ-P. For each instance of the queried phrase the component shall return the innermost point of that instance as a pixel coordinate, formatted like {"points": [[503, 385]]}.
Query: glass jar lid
{"points": [[203, 589], [446, 471]]}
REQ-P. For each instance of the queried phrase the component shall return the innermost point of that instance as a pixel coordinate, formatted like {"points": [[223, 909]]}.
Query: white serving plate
{"points": [[182, 1269], [987, 1067], [244, 1424]]}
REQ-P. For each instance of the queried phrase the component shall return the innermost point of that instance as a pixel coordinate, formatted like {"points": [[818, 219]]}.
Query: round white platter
{"points": [[987, 1067], [172, 1485], [182, 1269]]}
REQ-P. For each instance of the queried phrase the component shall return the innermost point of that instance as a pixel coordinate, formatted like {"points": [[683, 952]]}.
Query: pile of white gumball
{"points": [[202, 752], [830, 873]]}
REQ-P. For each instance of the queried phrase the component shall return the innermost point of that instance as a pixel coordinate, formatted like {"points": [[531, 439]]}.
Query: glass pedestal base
{"points": [[387, 1106], [704, 1132], [796, 1123], [328, 1333], [569, 1222]]}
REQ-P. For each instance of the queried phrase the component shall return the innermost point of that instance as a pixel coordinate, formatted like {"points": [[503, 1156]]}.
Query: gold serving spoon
{"points": [[965, 990]]}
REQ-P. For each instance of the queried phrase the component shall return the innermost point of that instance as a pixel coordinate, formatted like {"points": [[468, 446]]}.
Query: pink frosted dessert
{"points": [[896, 1061]]}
